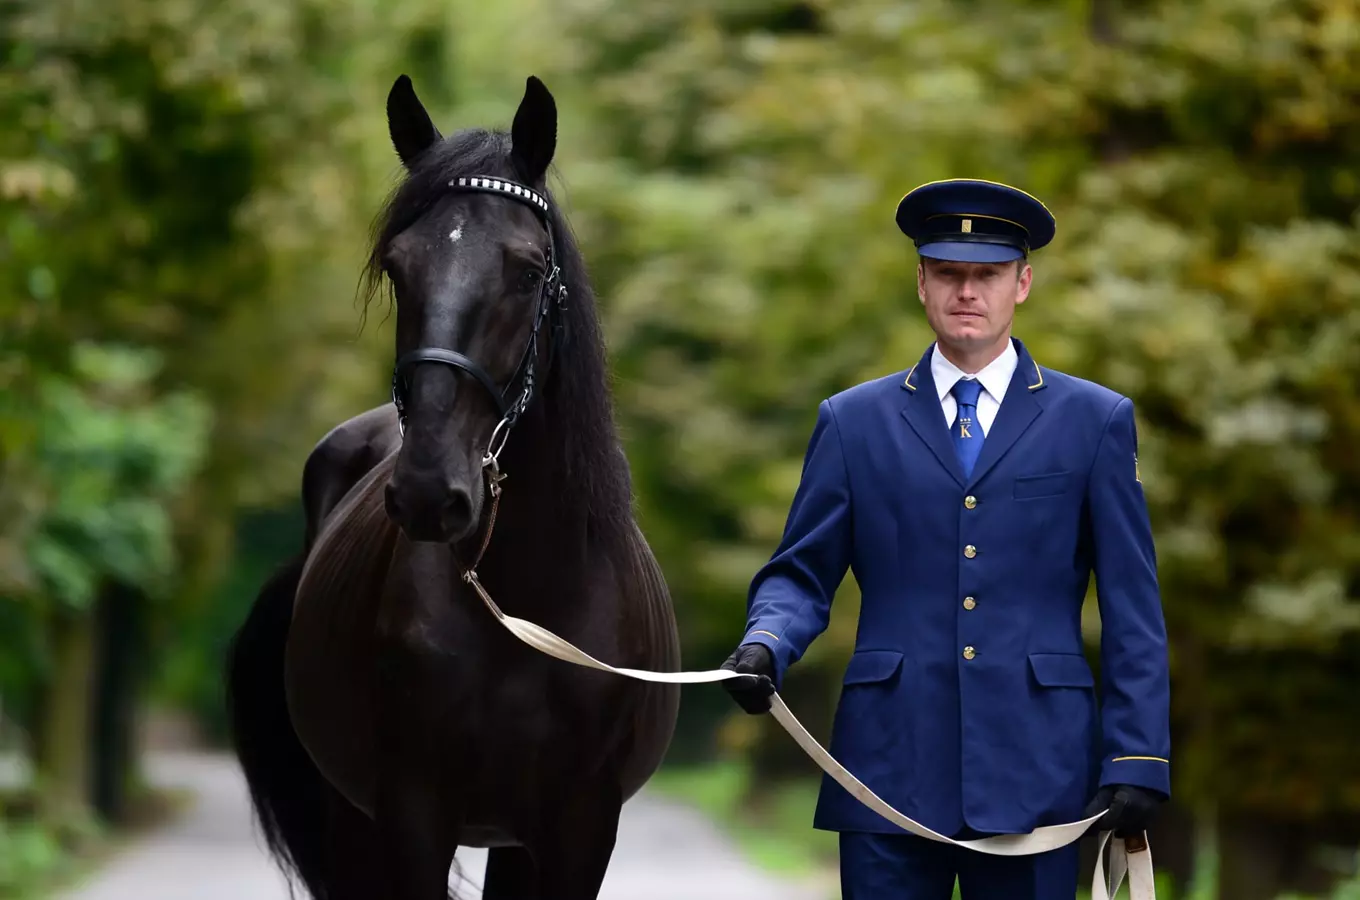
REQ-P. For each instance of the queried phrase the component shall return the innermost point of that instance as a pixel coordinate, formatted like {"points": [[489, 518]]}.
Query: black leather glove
{"points": [[1129, 809], [751, 694]]}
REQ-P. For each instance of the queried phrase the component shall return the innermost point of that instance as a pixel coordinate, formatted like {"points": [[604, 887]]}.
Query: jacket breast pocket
{"points": [[1035, 487]]}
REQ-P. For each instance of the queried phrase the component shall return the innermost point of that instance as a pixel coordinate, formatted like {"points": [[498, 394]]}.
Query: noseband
{"points": [[552, 302]]}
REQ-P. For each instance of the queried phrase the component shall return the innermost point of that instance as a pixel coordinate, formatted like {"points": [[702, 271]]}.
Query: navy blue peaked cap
{"points": [[971, 220]]}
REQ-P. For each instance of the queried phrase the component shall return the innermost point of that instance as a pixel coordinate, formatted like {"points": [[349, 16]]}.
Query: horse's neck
{"points": [[539, 525], [547, 538]]}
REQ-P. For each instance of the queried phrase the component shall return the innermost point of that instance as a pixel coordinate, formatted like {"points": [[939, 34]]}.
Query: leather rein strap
{"points": [[1130, 856]]}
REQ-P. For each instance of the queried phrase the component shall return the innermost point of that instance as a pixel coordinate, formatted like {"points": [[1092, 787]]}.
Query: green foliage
{"points": [[30, 857], [176, 177], [108, 464], [112, 457], [1345, 889]]}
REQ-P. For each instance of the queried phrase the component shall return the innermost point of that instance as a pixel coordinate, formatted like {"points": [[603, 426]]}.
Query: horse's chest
{"points": [[511, 710], [528, 736], [502, 703], [546, 704]]}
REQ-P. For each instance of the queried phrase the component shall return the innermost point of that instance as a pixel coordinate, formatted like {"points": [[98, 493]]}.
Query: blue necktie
{"points": [[967, 431]]}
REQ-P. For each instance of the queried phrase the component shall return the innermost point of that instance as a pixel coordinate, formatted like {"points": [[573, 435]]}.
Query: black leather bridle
{"points": [[552, 302]]}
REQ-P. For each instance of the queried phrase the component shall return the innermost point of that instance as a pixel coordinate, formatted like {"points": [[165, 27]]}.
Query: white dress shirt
{"points": [[995, 378]]}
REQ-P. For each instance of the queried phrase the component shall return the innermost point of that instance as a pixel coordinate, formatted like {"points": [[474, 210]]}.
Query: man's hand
{"points": [[1129, 810], [751, 694]]}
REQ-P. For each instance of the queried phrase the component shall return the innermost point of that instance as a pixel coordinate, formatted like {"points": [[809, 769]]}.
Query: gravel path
{"points": [[665, 852]]}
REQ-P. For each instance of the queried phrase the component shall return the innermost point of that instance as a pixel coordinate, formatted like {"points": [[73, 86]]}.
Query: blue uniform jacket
{"points": [[968, 699]]}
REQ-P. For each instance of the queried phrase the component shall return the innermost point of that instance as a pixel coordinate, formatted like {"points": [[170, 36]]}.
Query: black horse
{"points": [[382, 717]]}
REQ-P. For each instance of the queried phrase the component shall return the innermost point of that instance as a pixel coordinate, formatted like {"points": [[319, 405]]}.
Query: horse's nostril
{"points": [[428, 510], [458, 510]]}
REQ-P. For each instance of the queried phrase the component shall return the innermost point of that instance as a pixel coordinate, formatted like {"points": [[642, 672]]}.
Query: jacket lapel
{"points": [[1018, 410], [925, 415]]}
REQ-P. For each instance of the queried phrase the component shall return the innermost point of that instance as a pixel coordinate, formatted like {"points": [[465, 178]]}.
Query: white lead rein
{"points": [[1130, 856]]}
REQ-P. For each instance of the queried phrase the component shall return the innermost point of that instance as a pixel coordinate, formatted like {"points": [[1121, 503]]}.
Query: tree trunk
{"points": [[1112, 143], [62, 761], [119, 651]]}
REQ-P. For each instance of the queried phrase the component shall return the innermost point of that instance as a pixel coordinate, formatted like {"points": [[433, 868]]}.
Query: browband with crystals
{"points": [[505, 187]]}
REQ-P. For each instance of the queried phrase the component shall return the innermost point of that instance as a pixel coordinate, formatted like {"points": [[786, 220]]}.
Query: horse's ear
{"points": [[407, 121], [533, 136]]}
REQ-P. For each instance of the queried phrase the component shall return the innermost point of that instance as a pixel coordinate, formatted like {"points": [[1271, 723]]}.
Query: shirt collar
{"points": [[995, 376]]}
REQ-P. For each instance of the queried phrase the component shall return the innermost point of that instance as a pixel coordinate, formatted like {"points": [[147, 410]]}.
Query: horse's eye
{"points": [[529, 279]]}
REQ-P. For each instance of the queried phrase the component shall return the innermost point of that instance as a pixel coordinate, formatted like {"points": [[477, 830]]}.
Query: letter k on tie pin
{"points": [[967, 431]]}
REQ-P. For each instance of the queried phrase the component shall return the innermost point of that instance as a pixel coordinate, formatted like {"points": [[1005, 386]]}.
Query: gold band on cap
{"points": [[970, 215]]}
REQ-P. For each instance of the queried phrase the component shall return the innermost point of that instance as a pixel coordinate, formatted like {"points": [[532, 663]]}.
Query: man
{"points": [[973, 496]]}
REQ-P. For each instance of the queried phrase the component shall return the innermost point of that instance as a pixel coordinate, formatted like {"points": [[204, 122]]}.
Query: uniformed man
{"points": [[973, 494]]}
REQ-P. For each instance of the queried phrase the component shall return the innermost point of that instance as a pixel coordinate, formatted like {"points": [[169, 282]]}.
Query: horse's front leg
{"points": [[417, 842], [355, 865], [418, 792], [511, 874], [576, 840]]}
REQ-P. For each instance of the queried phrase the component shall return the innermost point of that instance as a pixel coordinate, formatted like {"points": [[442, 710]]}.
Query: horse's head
{"points": [[468, 246]]}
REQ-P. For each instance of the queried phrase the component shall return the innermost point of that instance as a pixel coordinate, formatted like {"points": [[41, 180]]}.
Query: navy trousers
{"points": [[907, 867]]}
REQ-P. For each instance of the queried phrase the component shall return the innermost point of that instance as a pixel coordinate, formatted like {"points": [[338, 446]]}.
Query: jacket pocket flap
{"points": [[868, 666], [1061, 670], [1032, 487]]}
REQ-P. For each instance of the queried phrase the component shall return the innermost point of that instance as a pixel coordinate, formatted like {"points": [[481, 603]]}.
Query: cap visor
{"points": [[970, 251]]}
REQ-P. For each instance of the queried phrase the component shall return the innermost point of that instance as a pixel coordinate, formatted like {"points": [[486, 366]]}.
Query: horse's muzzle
{"points": [[428, 510]]}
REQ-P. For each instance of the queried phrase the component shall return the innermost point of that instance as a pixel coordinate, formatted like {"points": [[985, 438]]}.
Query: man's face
{"points": [[970, 306]]}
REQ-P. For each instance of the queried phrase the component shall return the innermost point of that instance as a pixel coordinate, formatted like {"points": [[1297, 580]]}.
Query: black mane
{"points": [[576, 397]]}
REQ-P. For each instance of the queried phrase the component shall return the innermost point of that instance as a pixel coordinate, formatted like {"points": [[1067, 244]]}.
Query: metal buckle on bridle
{"points": [[499, 435], [399, 404]]}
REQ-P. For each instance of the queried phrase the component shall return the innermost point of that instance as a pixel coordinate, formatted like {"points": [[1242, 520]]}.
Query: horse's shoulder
{"points": [[343, 457], [373, 431]]}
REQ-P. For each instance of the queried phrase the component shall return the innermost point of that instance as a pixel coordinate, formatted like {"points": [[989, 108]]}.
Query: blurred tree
{"points": [[1211, 268], [109, 459], [176, 179]]}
